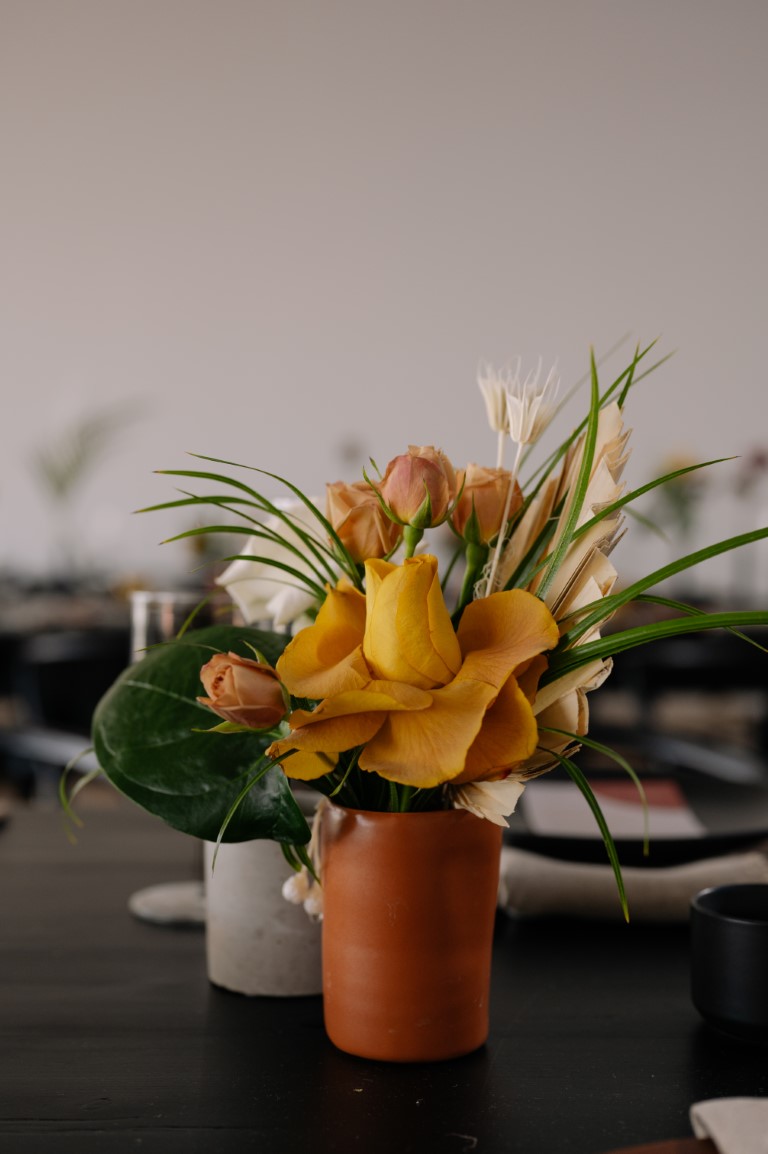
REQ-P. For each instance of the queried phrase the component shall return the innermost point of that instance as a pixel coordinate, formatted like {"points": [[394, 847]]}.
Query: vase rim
{"points": [[383, 814]]}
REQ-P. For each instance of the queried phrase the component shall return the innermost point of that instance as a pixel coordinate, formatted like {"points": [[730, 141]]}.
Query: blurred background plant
{"points": [[750, 488], [675, 507], [673, 514], [61, 468]]}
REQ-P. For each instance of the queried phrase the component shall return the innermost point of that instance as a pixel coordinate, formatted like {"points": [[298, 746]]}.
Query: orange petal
{"points": [[308, 766], [508, 737], [331, 735], [500, 632], [528, 676], [377, 697], [327, 657], [428, 747], [349, 719]]}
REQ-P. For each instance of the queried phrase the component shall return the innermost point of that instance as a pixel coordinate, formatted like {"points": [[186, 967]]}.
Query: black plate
{"points": [[734, 816]]}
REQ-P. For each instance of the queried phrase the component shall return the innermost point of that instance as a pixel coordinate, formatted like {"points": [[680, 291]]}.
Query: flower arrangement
{"points": [[404, 684]]}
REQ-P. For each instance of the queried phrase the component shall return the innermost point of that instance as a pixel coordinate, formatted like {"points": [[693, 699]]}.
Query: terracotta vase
{"points": [[409, 907]]}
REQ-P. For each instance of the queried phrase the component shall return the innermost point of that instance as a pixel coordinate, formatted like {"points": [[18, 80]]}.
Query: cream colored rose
{"points": [[358, 518], [243, 691], [485, 491], [419, 486]]}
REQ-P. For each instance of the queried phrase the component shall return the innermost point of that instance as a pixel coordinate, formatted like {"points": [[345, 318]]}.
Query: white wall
{"points": [[291, 228]]}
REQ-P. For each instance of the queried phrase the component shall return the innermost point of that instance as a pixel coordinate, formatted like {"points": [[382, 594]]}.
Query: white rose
{"points": [[263, 592]]}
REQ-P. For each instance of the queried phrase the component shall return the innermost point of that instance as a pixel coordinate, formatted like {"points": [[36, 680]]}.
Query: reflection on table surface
{"points": [[112, 1035]]}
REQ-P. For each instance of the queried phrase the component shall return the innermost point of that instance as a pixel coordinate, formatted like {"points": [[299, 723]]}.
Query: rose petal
{"points": [[429, 747], [409, 636], [500, 632], [507, 738], [326, 657]]}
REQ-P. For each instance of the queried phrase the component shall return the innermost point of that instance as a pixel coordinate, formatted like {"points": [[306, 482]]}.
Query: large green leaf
{"points": [[144, 735]]}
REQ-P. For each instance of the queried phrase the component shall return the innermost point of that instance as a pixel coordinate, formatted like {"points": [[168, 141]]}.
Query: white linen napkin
{"points": [[534, 885], [735, 1125]]}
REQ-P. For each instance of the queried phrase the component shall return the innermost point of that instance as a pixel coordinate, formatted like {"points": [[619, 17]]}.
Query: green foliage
{"points": [[148, 741], [585, 789], [164, 750], [582, 483]]}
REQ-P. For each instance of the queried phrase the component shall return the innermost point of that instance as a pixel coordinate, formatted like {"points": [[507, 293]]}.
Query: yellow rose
{"points": [[243, 691], [358, 518], [428, 703], [485, 493]]}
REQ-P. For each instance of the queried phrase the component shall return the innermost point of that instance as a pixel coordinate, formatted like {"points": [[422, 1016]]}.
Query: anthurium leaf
{"points": [[269, 811], [147, 740]]}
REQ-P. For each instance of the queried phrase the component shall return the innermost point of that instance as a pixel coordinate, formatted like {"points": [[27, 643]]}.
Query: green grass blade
{"points": [[635, 493], [252, 780], [344, 553], [580, 489], [561, 662], [647, 523], [630, 380], [317, 590], [201, 530], [220, 479], [585, 789], [192, 616], [555, 457], [66, 797], [190, 499], [316, 547], [533, 562], [605, 606], [263, 534], [576, 386], [694, 611], [621, 761]]}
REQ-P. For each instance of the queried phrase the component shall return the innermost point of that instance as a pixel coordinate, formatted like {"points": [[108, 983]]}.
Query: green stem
{"points": [[411, 538], [503, 531], [476, 556], [406, 792]]}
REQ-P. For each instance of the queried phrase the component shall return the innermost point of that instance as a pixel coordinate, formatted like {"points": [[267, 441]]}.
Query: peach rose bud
{"points": [[485, 492], [419, 486], [243, 691], [358, 518]]}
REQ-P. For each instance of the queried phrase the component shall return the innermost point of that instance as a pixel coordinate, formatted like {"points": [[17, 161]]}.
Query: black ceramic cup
{"points": [[729, 959]]}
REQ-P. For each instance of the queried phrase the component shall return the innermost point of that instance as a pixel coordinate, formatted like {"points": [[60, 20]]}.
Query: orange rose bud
{"points": [[419, 486], [358, 518], [243, 691], [485, 491]]}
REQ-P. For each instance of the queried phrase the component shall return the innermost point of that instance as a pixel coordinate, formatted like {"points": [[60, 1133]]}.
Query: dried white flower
{"points": [[301, 887], [296, 887], [313, 904], [492, 800], [494, 385], [530, 406], [302, 890]]}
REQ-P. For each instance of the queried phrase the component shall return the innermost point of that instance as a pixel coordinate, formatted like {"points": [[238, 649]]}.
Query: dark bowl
{"points": [[729, 959]]}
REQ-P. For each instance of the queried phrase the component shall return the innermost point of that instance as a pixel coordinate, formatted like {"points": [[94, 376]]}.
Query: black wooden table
{"points": [[112, 1039]]}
